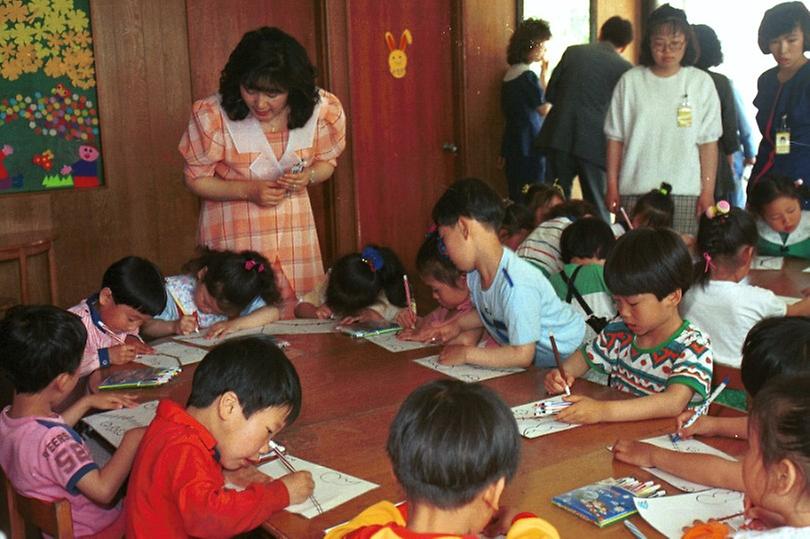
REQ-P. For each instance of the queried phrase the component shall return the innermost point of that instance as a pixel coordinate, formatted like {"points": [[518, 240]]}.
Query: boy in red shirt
{"points": [[243, 393]]}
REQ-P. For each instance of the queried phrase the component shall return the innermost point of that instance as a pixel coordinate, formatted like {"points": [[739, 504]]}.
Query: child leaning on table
{"points": [[651, 353], [43, 457], [131, 294], [774, 347], [243, 393], [222, 292], [514, 302], [453, 476]]}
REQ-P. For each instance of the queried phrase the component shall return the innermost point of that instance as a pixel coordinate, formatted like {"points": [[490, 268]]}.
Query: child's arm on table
{"points": [[140, 346], [98, 401], [706, 469], [502, 356], [800, 308], [163, 328], [121, 354], [102, 485], [259, 317], [729, 427], [665, 404], [574, 367], [449, 330], [407, 319]]}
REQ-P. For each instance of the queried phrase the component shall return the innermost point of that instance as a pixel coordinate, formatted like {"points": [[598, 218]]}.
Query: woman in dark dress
{"points": [[524, 106]]}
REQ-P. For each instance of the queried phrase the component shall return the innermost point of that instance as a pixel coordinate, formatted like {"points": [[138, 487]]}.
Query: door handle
{"points": [[449, 147]]}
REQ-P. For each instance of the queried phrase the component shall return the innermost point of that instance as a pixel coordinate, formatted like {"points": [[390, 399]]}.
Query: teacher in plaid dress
{"points": [[253, 149]]}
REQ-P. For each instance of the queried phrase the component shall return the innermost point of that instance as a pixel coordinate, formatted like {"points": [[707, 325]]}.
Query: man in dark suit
{"points": [[579, 91]]}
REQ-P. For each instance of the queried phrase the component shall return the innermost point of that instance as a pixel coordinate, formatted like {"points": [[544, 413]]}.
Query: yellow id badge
{"points": [[684, 116], [783, 142]]}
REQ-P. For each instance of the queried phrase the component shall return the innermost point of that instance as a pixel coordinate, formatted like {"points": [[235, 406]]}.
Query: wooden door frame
{"points": [[334, 47]]}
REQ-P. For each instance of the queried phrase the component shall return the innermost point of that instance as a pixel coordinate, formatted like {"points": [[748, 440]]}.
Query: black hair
{"points": [[720, 240], [669, 20], [471, 198], [356, 280], [234, 280], [255, 369], [517, 217], [656, 207], [617, 31], [432, 261], [573, 209], [269, 60], [138, 283], [540, 195], [780, 417], [529, 34], [711, 52], [450, 440], [781, 19], [772, 186], [589, 237], [649, 260], [775, 346], [37, 344]]}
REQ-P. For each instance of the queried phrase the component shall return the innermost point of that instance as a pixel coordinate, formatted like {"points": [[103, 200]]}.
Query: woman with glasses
{"points": [[663, 124], [783, 95]]}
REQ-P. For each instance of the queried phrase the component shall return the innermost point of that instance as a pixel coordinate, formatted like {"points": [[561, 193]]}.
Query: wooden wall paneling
{"points": [[214, 29], [21, 213]]}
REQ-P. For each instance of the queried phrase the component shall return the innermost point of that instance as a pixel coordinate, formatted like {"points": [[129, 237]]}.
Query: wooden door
{"points": [[401, 123]]}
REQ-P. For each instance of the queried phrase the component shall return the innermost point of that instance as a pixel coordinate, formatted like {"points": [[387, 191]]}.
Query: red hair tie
{"points": [[250, 264]]}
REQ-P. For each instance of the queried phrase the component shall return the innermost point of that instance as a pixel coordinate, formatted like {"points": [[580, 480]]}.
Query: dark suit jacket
{"points": [[579, 90], [729, 141]]}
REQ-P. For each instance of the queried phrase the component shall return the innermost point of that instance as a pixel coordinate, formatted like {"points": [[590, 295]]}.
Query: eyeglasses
{"points": [[671, 46]]}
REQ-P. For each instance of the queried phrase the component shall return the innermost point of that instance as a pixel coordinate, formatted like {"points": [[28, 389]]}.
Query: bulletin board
{"points": [[49, 125]]}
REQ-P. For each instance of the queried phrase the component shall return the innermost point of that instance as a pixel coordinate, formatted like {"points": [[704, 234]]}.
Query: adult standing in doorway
{"points": [[579, 91], [253, 149], [663, 123], [783, 95], [524, 106]]}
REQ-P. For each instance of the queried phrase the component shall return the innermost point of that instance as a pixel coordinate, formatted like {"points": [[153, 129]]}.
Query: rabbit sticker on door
{"points": [[397, 59]]}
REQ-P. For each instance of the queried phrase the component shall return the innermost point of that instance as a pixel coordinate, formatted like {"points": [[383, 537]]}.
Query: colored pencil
{"points": [[559, 362], [703, 408], [633, 529], [626, 218], [287, 464]]}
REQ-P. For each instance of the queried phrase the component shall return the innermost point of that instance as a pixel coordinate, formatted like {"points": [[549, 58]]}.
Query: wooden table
{"points": [[789, 281]]}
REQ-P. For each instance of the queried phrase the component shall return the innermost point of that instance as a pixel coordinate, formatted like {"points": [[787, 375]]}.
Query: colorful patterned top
{"points": [[796, 243], [684, 358], [214, 145]]}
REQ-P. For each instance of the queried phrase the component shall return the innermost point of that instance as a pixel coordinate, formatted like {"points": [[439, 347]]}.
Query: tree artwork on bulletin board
{"points": [[49, 128]]}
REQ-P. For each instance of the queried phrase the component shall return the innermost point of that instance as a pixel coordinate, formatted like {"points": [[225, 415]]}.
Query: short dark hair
{"points": [[234, 280], [711, 51], [773, 347], [356, 280], [432, 261], [517, 217], [668, 18], [138, 283], [588, 237], [780, 417], [649, 260], [450, 440], [268, 60], [471, 198], [656, 207], [617, 31], [720, 239], [573, 209], [37, 344], [529, 34], [255, 369], [782, 19], [771, 186]]}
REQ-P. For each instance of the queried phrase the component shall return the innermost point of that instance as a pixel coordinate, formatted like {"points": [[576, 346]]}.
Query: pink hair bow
{"points": [[250, 264], [709, 264]]}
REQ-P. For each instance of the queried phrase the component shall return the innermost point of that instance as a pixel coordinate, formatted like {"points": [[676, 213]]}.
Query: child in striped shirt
{"points": [[652, 352]]}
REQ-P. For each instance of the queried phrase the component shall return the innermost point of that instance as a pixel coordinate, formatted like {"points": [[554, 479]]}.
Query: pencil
{"points": [[290, 468], [111, 333], [183, 311], [626, 218], [559, 362], [633, 529], [703, 408], [408, 297]]}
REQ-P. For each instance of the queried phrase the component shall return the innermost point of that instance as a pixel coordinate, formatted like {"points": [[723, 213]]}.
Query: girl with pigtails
{"points": [[360, 287], [721, 303], [221, 292]]}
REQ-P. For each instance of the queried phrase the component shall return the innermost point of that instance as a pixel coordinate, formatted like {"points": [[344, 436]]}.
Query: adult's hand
{"points": [[267, 194]]}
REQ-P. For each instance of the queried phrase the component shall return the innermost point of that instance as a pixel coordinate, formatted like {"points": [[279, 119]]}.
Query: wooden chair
{"points": [[21, 245], [53, 518]]}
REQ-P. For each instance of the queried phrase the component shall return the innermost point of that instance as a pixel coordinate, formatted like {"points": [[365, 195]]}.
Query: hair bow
{"points": [[372, 257], [709, 264], [250, 264], [721, 208], [798, 183]]}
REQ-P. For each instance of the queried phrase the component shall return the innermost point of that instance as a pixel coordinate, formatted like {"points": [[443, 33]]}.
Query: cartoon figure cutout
{"points": [[85, 170], [397, 59]]}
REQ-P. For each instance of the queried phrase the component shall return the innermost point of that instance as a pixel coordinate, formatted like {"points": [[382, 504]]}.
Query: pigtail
{"points": [[656, 208], [723, 231], [390, 277]]}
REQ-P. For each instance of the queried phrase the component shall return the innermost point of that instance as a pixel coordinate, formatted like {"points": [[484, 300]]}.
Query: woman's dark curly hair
{"points": [[669, 20], [782, 19], [711, 52], [269, 60], [529, 34]]}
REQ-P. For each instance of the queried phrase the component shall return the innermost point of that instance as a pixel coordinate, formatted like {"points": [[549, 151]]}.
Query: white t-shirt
{"points": [[727, 311], [643, 115]]}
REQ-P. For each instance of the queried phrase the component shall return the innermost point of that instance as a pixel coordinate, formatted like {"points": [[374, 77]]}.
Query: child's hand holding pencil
{"points": [[186, 324], [555, 383]]}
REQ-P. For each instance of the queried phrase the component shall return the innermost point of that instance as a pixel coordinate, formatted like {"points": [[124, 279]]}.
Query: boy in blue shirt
{"points": [[514, 302]]}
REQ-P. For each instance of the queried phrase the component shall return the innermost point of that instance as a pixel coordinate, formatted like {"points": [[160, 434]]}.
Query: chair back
{"points": [[53, 518]]}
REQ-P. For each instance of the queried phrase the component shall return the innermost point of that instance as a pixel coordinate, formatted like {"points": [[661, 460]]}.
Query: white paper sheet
{"points": [[466, 373], [767, 263], [390, 342], [172, 354], [300, 326], [112, 425], [201, 340], [332, 487], [683, 446], [670, 514], [534, 428]]}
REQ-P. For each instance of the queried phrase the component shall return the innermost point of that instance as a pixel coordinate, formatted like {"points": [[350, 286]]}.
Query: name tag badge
{"points": [[783, 142], [684, 116]]}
